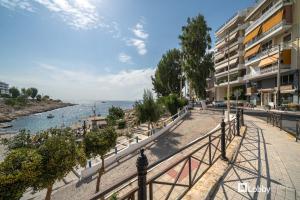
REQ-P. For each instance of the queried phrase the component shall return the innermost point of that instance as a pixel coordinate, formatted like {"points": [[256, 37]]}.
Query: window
{"points": [[266, 45], [287, 38]]}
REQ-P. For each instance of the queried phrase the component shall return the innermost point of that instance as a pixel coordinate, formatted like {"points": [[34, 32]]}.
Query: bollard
{"points": [[223, 112], [223, 142], [116, 150], [137, 139], [238, 123], [90, 163], [142, 164], [242, 117]]}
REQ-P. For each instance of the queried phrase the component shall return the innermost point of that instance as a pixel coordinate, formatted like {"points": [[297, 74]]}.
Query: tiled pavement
{"points": [[268, 159]]}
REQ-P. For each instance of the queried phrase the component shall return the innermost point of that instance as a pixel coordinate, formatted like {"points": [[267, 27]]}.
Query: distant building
{"points": [[4, 88]]}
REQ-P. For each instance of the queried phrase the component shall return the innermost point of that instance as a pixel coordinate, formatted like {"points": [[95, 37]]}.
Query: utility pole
{"points": [[228, 79], [278, 78]]}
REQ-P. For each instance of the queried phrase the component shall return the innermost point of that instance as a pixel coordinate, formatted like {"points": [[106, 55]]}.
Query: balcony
{"points": [[221, 53], [251, 90], [282, 26], [232, 70], [269, 53], [267, 14], [224, 63], [262, 72]]}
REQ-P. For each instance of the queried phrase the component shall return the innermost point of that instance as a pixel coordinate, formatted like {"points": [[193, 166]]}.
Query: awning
{"points": [[252, 51], [266, 90], [269, 60], [225, 64], [287, 91], [233, 36], [286, 56], [252, 35], [275, 19]]}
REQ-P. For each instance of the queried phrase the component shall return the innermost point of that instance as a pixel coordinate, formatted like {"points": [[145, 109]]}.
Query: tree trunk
{"points": [[49, 191], [101, 171], [148, 125]]}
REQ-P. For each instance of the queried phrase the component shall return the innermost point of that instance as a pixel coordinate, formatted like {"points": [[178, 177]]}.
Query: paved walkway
{"points": [[195, 125], [268, 159]]}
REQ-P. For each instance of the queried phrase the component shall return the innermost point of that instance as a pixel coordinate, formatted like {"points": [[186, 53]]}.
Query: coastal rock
{"points": [[9, 113]]}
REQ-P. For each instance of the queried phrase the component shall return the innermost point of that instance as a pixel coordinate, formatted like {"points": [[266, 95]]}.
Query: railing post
{"points": [[242, 117], [142, 164], [209, 150], [273, 118], [297, 131], [137, 139], [280, 121], [238, 123], [116, 150], [190, 172], [223, 142]]}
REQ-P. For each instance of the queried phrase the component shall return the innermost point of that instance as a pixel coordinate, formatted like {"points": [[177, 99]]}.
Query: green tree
{"points": [[28, 92], [148, 110], [21, 140], [116, 112], [18, 171], [60, 154], [38, 97], [34, 92], [23, 91], [172, 102], [195, 43], [168, 75], [99, 143], [14, 92]]}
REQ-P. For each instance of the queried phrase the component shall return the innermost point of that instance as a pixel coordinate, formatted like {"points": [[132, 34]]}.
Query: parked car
{"points": [[218, 104]]}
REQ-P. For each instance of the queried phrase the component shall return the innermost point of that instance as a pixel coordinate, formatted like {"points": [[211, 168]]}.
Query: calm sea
{"points": [[64, 116]]}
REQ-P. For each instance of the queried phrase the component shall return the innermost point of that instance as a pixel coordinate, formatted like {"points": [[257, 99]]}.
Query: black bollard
{"points": [[238, 123], [242, 117], [223, 142], [84, 127], [142, 164]]}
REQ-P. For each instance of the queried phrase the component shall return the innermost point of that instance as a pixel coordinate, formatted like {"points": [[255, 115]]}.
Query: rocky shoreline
{"points": [[9, 113]]}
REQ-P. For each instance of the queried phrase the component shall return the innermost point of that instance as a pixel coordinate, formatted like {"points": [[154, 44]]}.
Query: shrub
{"points": [[116, 112], [121, 124], [173, 103]]}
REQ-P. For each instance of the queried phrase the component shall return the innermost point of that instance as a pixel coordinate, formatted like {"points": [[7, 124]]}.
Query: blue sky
{"points": [[95, 49]]}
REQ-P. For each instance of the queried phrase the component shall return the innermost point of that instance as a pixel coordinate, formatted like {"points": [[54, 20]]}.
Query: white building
{"points": [[4, 88]]}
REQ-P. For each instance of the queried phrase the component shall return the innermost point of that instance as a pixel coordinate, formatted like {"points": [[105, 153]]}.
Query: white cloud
{"points": [[139, 41], [124, 58], [84, 85], [79, 14], [139, 31]]}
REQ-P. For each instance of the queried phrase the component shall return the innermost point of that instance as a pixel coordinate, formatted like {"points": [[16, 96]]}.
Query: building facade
{"points": [[272, 53], [268, 53], [4, 87], [229, 55]]}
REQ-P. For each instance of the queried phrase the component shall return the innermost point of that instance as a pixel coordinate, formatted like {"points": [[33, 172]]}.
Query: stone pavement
{"points": [[269, 159]]}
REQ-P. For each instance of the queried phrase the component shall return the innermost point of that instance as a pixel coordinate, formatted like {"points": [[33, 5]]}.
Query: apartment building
{"points": [[271, 43], [253, 45], [4, 88], [229, 55]]}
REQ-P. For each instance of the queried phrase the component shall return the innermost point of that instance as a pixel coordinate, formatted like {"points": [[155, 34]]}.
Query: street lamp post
{"points": [[278, 79], [228, 79]]}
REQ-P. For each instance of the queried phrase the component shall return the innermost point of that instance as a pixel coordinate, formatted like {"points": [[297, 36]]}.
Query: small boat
{"points": [[103, 101], [4, 125], [50, 116]]}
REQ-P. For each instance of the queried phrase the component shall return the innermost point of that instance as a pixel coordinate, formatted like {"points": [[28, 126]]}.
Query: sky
{"points": [[95, 49]]}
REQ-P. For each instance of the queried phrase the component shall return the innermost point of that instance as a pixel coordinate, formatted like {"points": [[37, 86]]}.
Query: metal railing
{"points": [[275, 119], [204, 152]]}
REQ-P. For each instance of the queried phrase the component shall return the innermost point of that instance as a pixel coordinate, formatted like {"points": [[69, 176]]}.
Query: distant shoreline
{"points": [[7, 113]]}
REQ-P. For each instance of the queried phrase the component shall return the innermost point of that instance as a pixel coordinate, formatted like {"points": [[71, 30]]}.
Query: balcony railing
{"points": [[261, 54], [266, 33], [267, 14], [226, 60], [219, 40], [260, 72]]}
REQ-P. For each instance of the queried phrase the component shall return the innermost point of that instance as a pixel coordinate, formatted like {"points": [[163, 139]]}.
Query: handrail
{"points": [[157, 163]]}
